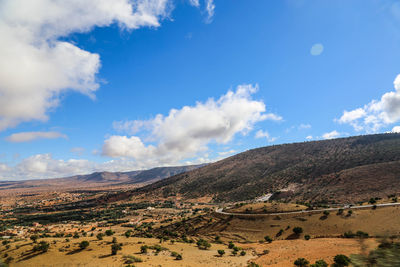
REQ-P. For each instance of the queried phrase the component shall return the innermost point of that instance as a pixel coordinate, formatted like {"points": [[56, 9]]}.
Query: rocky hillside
{"points": [[338, 170]]}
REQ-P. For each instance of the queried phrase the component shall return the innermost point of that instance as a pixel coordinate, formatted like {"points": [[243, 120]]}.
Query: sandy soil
{"points": [[283, 253]]}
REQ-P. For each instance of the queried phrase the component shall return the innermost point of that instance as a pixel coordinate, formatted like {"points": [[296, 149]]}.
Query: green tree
{"points": [[43, 246], [34, 238], [341, 260], [297, 230], [268, 239], [100, 236], [114, 248], [84, 244], [221, 252], [109, 232], [143, 249], [301, 262]]}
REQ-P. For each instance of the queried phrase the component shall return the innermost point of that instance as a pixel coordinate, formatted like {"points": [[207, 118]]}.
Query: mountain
{"points": [[338, 170], [101, 178]]}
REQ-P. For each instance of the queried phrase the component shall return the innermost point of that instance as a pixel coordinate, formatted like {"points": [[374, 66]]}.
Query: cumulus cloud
{"points": [[331, 135], [265, 134], [396, 129], [187, 131], [316, 49], [309, 137], [304, 126], [30, 136], [36, 66], [45, 166], [195, 3], [376, 114]]}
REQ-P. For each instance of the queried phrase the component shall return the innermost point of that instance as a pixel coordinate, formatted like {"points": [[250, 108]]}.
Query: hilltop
{"points": [[337, 170]]}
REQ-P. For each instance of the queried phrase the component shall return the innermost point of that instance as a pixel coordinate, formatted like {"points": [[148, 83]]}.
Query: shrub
{"points": [[340, 211], [34, 238], [231, 245], [243, 253], [203, 244], [128, 233], [307, 237], [76, 235], [372, 200], [132, 259], [297, 230], [84, 244], [114, 248], [253, 264], [221, 252], [341, 261], [301, 262], [114, 240], [326, 213], [109, 232], [143, 249], [320, 263], [178, 257], [268, 239], [100, 236], [43, 246]]}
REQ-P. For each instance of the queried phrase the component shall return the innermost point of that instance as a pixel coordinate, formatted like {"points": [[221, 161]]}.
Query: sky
{"points": [[98, 85]]}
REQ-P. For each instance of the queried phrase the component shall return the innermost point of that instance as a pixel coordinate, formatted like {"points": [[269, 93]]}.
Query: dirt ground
{"points": [[98, 254], [283, 253]]}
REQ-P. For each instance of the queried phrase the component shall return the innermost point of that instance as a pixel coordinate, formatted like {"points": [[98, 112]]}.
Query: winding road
{"points": [[220, 210]]}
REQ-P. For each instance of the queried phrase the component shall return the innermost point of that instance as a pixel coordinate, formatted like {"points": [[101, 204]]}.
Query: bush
{"points": [[128, 233], [43, 246], [253, 264], [100, 236], [203, 244], [320, 263], [340, 211], [178, 257], [114, 240], [132, 259], [268, 239], [143, 249], [341, 261], [243, 253], [76, 235], [231, 245], [301, 262], [372, 200], [114, 248], [84, 244], [109, 232], [34, 238], [221, 252], [297, 230], [326, 213], [307, 237]]}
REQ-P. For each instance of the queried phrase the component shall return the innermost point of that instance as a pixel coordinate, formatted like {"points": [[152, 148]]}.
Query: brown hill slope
{"points": [[341, 170], [100, 178]]}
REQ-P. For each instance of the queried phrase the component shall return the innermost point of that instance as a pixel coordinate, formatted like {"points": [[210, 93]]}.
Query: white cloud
{"points": [[36, 66], [210, 8], [265, 134], [45, 166], [331, 135], [185, 132], [195, 3], [30, 136], [304, 126], [396, 129], [317, 49], [309, 137], [376, 114]]}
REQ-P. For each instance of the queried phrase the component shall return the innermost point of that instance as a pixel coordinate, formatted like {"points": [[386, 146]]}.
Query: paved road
{"points": [[220, 210]]}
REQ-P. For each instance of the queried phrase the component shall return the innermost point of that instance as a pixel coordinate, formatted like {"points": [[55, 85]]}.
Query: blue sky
{"points": [[96, 87]]}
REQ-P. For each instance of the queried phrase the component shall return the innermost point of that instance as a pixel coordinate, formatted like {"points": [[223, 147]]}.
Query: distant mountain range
{"points": [[101, 178], [338, 170]]}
